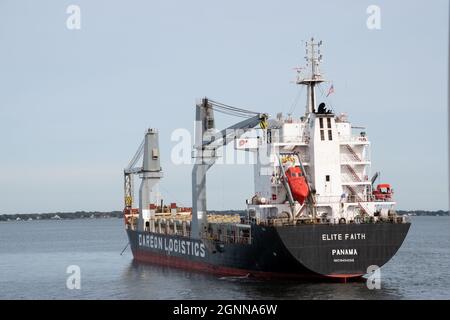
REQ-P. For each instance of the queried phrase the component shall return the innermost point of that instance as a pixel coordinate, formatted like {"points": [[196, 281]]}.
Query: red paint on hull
{"points": [[344, 276], [176, 262]]}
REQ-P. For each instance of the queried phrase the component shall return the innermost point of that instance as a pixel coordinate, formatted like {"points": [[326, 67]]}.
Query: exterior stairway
{"points": [[352, 172], [364, 207], [353, 153], [354, 194], [361, 203]]}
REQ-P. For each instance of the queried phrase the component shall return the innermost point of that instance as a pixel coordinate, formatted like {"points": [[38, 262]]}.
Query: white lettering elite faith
{"points": [[343, 236]]}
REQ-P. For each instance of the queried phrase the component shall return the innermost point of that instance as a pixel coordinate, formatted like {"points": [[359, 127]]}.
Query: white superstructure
{"points": [[336, 161]]}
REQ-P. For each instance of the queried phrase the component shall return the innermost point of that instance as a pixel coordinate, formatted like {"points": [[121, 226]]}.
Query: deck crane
{"points": [[207, 141], [150, 174], [128, 173]]}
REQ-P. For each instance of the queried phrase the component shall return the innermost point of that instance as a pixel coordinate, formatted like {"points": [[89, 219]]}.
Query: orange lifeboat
{"points": [[297, 183], [383, 192]]}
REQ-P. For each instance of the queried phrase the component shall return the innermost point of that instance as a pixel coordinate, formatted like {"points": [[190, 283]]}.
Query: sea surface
{"points": [[35, 257]]}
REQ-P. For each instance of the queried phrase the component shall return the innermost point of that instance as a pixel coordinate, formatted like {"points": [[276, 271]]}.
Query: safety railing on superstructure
{"points": [[352, 198], [348, 156], [274, 222], [301, 140], [286, 156], [350, 176], [353, 139]]}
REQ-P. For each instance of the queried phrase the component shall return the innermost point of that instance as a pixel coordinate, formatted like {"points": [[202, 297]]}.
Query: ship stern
{"points": [[343, 250]]}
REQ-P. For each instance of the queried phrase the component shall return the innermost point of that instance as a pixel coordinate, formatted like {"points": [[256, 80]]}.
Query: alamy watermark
{"points": [[374, 279], [73, 21], [74, 279], [236, 149], [374, 19]]}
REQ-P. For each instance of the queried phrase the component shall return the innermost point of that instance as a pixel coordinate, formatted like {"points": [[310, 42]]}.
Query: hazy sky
{"points": [[74, 104]]}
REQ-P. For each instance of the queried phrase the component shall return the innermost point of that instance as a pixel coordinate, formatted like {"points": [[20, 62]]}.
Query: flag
{"points": [[331, 90]]}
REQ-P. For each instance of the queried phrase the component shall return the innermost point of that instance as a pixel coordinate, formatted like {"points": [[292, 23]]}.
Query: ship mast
{"points": [[313, 58]]}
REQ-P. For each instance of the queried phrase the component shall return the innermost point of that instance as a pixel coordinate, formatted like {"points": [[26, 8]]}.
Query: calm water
{"points": [[34, 257]]}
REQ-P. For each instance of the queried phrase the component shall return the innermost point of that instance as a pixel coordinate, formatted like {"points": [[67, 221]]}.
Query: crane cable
{"points": [[230, 110], [136, 156], [295, 102]]}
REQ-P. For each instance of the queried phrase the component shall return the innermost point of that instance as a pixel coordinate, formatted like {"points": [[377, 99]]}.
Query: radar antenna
{"points": [[313, 58]]}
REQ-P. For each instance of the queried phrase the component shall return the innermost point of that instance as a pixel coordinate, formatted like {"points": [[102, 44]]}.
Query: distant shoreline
{"points": [[61, 215], [119, 214]]}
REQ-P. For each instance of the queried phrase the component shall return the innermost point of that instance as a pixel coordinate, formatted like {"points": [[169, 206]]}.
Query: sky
{"points": [[75, 103]]}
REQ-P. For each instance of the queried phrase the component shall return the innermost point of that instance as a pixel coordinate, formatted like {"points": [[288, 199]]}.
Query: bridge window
{"points": [[322, 135], [321, 123]]}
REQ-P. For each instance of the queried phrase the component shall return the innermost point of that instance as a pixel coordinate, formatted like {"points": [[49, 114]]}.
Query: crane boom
{"points": [[207, 141]]}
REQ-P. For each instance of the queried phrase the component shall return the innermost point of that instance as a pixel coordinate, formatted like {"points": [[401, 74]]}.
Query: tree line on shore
{"points": [[62, 215], [119, 214]]}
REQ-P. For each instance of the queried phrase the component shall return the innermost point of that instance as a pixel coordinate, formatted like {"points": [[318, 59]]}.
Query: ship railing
{"points": [[365, 198], [171, 231], [131, 226], [327, 199], [228, 239], [324, 220], [269, 222], [345, 199], [182, 234], [293, 139], [353, 198], [353, 139], [166, 231], [290, 157], [349, 158], [274, 221], [359, 198], [350, 178]]}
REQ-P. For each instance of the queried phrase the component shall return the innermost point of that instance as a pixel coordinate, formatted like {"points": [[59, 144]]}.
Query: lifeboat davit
{"points": [[297, 183]]}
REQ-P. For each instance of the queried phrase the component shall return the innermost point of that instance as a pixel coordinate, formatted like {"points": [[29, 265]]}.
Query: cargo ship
{"points": [[314, 212]]}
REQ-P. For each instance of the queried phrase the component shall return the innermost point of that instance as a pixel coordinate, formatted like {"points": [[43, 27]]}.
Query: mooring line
{"points": [[128, 243]]}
